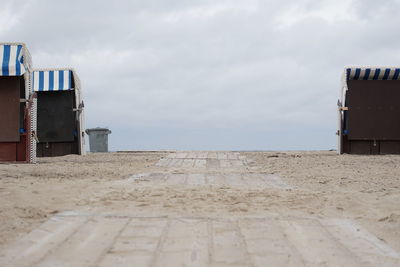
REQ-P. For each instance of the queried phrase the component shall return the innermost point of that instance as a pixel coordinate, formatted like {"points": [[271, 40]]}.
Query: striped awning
{"points": [[52, 80], [11, 60], [373, 73]]}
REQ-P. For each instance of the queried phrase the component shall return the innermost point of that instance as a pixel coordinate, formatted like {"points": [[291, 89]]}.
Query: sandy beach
{"points": [[318, 185]]}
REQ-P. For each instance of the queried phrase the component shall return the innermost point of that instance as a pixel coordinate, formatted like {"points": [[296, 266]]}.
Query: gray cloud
{"points": [[209, 74]]}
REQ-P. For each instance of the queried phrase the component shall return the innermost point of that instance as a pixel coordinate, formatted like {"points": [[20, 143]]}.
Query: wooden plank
{"points": [[152, 177], [253, 179], [163, 162], [128, 259], [186, 244], [228, 245], [202, 155], [196, 179], [232, 156], [237, 163], [188, 163], [222, 155], [191, 155], [88, 245], [171, 155], [146, 227], [137, 243], [234, 179], [175, 163], [217, 179], [200, 163], [225, 163], [274, 181], [176, 178], [361, 243], [157, 177], [212, 155], [315, 245], [181, 155], [267, 244], [213, 164], [41, 241]]}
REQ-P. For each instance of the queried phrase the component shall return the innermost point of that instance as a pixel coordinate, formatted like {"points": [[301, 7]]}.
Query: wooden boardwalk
{"points": [[77, 239], [204, 160], [232, 179]]}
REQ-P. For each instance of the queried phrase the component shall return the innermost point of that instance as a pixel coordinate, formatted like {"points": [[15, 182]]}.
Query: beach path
{"points": [[118, 238]]}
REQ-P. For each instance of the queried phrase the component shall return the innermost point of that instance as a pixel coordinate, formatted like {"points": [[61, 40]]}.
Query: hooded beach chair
{"points": [[17, 105], [60, 125], [369, 111]]}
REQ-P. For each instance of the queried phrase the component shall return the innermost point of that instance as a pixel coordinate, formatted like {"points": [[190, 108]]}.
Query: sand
{"points": [[30, 193], [320, 184]]}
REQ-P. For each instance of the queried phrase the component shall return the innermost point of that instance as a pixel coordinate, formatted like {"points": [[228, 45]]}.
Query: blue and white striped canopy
{"points": [[11, 60], [373, 73], [52, 80]]}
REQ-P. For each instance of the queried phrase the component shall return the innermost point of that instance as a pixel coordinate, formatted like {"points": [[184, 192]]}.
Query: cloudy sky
{"points": [[209, 74]]}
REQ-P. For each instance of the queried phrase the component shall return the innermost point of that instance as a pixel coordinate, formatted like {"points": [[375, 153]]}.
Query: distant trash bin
{"points": [[98, 139]]}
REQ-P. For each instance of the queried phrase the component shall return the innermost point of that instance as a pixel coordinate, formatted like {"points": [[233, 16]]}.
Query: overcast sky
{"points": [[208, 74]]}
